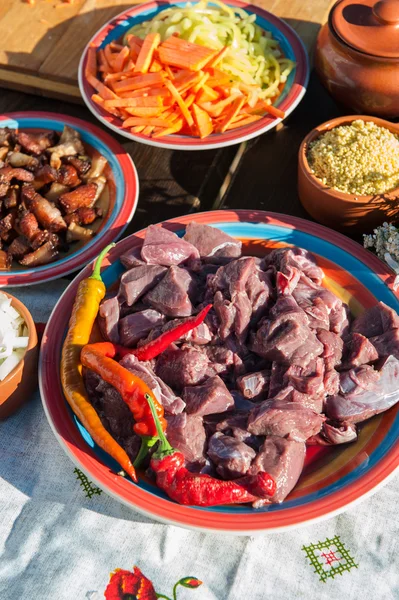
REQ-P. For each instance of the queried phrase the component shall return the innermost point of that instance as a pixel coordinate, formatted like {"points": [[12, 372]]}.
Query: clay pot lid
{"points": [[369, 26]]}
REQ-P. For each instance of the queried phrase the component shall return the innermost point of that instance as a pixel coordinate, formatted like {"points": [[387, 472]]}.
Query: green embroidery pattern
{"points": [[329, 558], [89, 488]]}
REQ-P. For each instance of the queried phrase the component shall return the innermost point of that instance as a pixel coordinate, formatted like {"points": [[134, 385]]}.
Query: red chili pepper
{"points": [[199, 489], [157, 346]]}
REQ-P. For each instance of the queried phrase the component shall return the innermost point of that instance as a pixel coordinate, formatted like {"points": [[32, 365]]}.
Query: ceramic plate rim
{"points": [[73, 261], [371, 481], [247, 132]]}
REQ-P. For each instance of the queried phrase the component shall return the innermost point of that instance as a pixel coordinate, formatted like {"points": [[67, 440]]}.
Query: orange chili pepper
{"points": [[99, 358], [84, 312]]}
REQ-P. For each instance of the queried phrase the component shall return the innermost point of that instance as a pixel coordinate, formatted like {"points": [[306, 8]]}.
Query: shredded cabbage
{"points": [[254, 57]]}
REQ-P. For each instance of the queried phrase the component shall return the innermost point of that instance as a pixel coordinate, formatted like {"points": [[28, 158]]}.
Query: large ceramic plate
{"points": [[333, 479], [292, 94], [123, 191]]}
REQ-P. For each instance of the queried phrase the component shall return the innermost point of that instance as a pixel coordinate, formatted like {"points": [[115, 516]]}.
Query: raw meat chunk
{"points": [[260, 292], [283, 459], [138, 281], [308, 380], [387, 343], [365, 392], [162, 392], [286, 419], [163, 247], [298, 258], [234, 276], [376, 321], [232, 457], [137, 325], [108, 319], [179, 367], [333, 346], [207, 399], [172, 295], [285, 336], [254, 385], [187, 434], [210, 241], [132, 258], [332, 434], [290, 394], [360, 351]]}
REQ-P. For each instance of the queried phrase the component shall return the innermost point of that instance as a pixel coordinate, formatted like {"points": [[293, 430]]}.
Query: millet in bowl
{"points": [[348, 173]]}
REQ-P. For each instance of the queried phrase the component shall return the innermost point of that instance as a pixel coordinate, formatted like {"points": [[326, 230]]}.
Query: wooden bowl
{"points": [[19, 385], [336, 209]]}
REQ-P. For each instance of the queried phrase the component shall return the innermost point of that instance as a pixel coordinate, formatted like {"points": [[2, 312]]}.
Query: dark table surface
{"points": [[259, 174]]}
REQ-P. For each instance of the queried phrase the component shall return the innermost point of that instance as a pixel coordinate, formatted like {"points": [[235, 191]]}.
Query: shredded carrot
{"points": [[91, 64], [202, 120], [144, 111], [158, 89], [154, 122], [140, 81], [144, 59], [231, 113], [102, 89], [184, 110], [154, 101], [121, 59]]}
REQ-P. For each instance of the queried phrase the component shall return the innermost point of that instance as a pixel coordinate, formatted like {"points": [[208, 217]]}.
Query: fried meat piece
{"points": [[45, 174], [19, 247], [35, 143], [5, 261], [81, 163], [46, 213], [84, 196], [68, 175], [41, 256], [83, 216]]}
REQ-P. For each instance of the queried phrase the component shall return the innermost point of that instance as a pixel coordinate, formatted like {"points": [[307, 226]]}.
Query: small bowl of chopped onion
{"points": [[18, 354], [348, 173]]}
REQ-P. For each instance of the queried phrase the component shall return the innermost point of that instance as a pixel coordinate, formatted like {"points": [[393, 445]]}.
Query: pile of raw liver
{"points": [[277, 363]]}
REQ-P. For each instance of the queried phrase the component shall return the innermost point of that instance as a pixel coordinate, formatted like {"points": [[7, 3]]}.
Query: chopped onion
{"points": [[13, 337]]}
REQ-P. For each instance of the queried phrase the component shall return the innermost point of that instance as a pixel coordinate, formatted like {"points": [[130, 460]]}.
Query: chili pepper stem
{"points": [[162, 596], [97, 266], [164, 446], [146, 443]]}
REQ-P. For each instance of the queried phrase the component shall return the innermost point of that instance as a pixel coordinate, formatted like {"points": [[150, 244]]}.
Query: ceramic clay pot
{"points": [[344, 212], [357, 55]]}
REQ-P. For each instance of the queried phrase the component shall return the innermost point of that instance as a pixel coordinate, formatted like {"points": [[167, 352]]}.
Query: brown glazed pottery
{"points": [[336, 209], [357, 55], [19, 385]]}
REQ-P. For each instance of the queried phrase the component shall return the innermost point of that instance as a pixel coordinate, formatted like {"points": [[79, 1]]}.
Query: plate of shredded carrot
{"points": [[193, 75]]}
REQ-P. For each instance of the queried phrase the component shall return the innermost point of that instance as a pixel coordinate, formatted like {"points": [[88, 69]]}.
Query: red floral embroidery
{"points": [[125, 585]]}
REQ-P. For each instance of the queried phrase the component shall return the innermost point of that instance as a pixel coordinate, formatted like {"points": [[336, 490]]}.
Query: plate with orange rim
{"points": [[333, 478], [292, 93], [120, 195]]}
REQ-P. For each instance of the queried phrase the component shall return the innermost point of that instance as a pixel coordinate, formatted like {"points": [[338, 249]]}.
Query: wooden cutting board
{"points": [[41, 44]]}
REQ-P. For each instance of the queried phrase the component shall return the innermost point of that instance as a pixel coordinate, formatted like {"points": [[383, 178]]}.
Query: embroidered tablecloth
{"points": [[61, 537]]}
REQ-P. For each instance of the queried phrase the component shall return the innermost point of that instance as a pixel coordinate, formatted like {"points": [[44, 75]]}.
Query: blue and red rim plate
{"points": [[333, 482], [125, 198], [292, 94]]}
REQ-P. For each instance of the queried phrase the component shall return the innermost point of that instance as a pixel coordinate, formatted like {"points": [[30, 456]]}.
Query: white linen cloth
{"points": [[56, 543]]}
